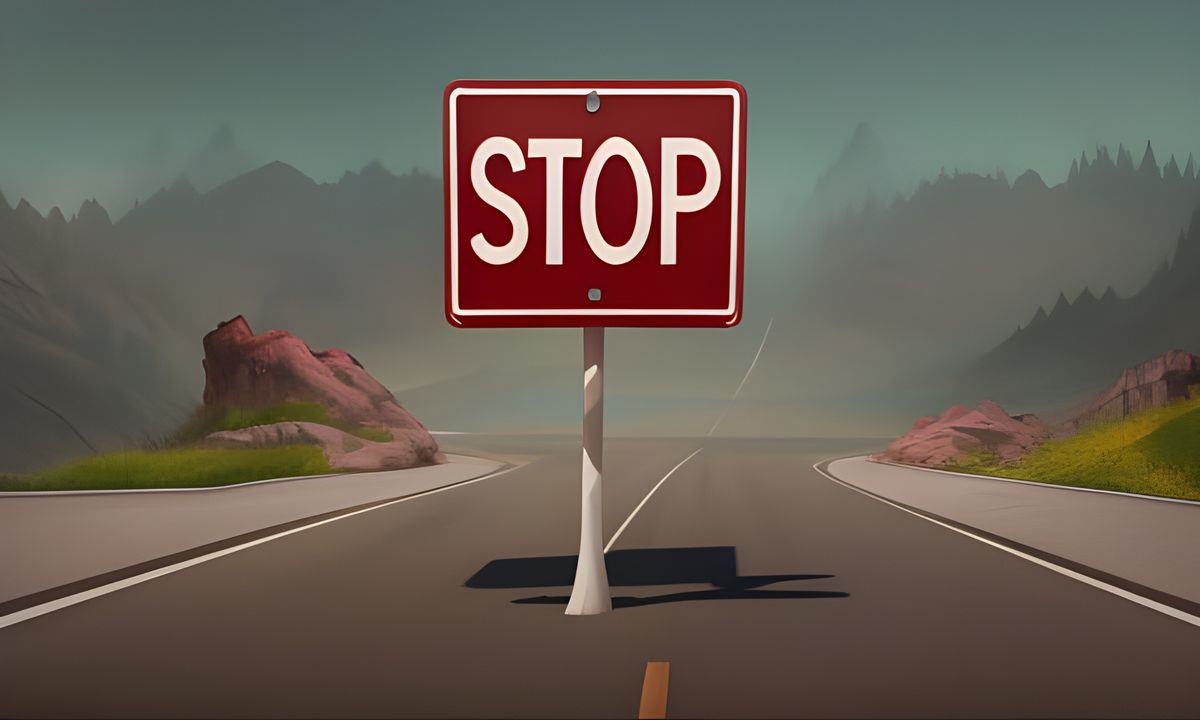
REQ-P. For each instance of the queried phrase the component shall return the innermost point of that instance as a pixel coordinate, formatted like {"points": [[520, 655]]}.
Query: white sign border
{"points": [[558, 312]]}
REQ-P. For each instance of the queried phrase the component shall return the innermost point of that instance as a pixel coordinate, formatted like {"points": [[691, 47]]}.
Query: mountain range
{"points": [[82, 354], [1064, 353], [105, 315], [354, 263], [983, 249], [886, 316], [101, 319], [861, 174]]}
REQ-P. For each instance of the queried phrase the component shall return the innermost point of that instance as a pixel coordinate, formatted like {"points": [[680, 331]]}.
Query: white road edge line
{"points": [[653, 490], [146, 491], [65, 602], [219, 488], [1099, 584]]}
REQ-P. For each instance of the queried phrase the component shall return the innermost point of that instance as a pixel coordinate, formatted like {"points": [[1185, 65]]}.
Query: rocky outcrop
{"points": [[1153, 383], [244, 370], [961, 431], [343, 450]]}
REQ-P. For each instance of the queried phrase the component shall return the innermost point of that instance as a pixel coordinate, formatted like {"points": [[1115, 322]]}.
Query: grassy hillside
{"points": [[175, 461], [1155, 452], [178, 467], [238, 418]]}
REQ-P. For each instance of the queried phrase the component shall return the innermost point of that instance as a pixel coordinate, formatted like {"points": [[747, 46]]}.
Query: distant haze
{"points": [[91, 90], [911, 200]]}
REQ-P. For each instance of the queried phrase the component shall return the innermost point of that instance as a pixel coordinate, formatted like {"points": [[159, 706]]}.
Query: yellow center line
{"points": [[654, 690]]}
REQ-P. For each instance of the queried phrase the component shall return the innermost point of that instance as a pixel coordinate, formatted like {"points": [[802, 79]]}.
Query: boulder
{"points": [[244, 370], [961, 431]]}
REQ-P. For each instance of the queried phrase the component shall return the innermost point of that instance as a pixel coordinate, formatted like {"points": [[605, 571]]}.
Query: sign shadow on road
{"points": [[715, 566]]}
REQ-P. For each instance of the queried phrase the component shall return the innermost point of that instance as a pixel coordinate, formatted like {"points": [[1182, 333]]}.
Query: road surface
{"points": [[77, 535], [1149, 542], [401, 611]]}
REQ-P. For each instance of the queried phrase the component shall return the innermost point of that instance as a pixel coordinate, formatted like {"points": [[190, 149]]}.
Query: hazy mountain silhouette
{"points": [[279, 245], [899, 298], [105, 318], [966, 255], [1064, 354], [168, 159], [83, 338], [218, 160], [861, 174], [355, 263], [860, 177]]}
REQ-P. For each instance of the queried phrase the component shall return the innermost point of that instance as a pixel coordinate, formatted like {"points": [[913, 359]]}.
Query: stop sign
{"points": [[594, 203]]}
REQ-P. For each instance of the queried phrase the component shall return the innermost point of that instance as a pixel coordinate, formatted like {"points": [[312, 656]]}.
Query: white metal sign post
{"points": [[590, 595]]}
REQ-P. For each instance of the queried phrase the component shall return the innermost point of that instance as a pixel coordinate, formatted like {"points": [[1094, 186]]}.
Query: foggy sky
{"points": [[91, 91]]}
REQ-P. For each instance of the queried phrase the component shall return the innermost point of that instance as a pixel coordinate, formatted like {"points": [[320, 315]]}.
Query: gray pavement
{"points": [[1150, 542], [772, 590], [57, 538]]}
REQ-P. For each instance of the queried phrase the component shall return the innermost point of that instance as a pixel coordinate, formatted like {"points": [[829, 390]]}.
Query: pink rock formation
{"points": [[1153, 383], [244, 370], [961, 430]]}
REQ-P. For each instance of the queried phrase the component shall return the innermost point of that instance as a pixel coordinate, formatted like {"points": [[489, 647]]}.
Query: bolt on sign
{"points": [[594, 204]]}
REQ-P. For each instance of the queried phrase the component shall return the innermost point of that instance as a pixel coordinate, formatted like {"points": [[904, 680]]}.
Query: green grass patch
{"points": [[980, 462], [174, 468], [176, 461], [1155, 452], [291, 412]]}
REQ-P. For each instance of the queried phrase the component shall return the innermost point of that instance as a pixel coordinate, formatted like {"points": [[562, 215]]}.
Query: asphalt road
{"points": [[82, 535], [886, 614]]}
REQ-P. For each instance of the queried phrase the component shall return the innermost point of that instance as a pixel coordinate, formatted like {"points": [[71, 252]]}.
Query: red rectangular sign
{"points": [[610, 203]]}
